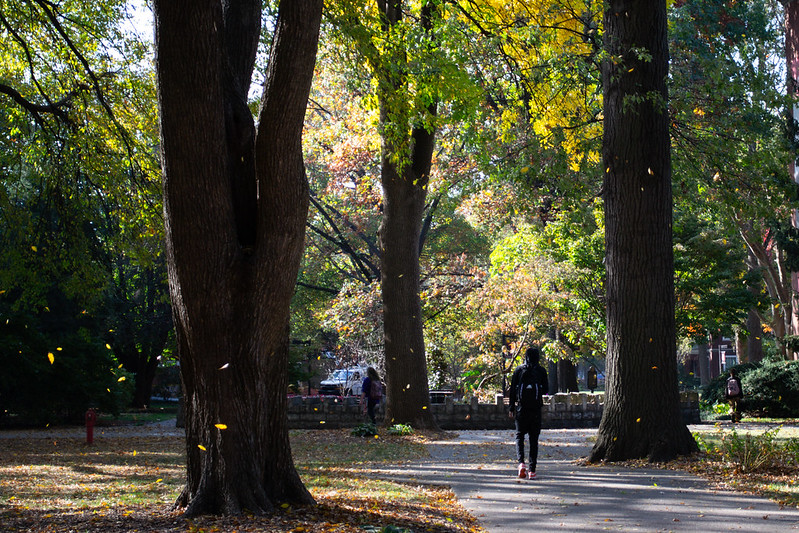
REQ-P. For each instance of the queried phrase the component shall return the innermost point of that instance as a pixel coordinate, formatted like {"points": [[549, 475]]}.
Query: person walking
{"points": [[734, 392], [528, 386], [371, 392]]}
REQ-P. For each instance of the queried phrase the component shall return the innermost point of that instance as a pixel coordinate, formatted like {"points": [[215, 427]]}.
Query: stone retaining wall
{"points": [[573, 410]]}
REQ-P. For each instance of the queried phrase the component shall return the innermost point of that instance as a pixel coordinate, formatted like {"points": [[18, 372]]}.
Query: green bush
{"points": [[757, 453], [714, 392], [400, 429], [772, 389], [367, 429]]}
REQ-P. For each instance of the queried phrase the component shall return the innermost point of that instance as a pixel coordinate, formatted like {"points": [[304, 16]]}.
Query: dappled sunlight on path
{"points": [[569, 496]]}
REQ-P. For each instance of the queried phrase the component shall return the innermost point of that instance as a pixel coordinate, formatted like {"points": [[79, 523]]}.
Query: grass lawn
{"points": [[129, 484]]}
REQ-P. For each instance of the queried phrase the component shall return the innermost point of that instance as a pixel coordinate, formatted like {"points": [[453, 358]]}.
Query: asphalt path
{"points": [[480, 468]]}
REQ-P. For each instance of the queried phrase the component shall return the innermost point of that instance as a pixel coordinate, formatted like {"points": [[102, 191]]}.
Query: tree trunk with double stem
{"points": [[642, 417], [404, 193], [235, 204]]}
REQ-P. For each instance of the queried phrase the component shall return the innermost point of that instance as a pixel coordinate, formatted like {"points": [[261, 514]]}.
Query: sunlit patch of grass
{"points": [[45, 474], [125, 484]]}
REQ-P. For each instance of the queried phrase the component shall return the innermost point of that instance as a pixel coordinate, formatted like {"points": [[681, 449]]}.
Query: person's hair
{"points": [[733, 373], [532, 354], [372, 373]]}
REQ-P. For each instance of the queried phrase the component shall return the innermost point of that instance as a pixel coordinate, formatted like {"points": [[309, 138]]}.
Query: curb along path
{"points": [[479, 467]]}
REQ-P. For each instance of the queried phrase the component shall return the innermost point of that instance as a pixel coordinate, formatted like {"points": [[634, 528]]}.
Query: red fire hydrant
{"points": [[91, 418]]}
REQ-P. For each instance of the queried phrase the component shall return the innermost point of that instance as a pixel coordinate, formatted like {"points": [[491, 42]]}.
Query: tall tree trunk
{"points": [[642, 415], [567, 376], [704, 364], [405, 174], [754, 326], [792, 70], [235, 203]]}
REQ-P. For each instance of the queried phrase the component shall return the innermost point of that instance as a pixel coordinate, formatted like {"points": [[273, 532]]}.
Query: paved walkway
{"points": [[479, 467]]}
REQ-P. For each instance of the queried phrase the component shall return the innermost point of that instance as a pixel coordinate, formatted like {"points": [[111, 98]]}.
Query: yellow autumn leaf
{"points": [[134, 453], [59, 349], [34, 249], [220, 426], [51, 357], [121, 379], [120, 366], [637, 419], [108, 346], [159, 480]]}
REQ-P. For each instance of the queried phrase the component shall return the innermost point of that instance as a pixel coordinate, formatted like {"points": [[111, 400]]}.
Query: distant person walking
{"points": [[528, 386], [371, 392], [734, 392]]}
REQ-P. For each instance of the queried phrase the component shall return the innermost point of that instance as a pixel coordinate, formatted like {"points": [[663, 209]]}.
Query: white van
{"points": [[344, 382]]}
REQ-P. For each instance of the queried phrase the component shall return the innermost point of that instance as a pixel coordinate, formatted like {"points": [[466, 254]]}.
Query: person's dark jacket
{"points": [[540, 378]]}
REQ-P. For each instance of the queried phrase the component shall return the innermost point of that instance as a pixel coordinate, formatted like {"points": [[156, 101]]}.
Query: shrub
{"points": [[367, 429], [713, 393], [772, 389], [400, 429], [758, 453]]}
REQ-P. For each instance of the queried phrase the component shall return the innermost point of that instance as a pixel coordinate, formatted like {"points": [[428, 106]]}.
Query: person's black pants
{"points": [[528, 426]]}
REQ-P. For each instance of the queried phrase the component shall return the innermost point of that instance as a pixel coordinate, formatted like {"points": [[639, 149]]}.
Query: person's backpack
{"points": [[375, 390], [733, 389], [528, 390]]}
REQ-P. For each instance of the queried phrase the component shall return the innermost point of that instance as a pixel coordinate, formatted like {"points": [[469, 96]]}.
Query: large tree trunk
{"points": [[235, 204], [404, 176], [642, 407], [792, 70]]}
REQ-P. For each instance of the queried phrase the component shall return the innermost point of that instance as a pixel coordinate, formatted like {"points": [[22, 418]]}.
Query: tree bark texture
{"points": [[404, 194], [235, 203], [642, 408], [792, 70]]}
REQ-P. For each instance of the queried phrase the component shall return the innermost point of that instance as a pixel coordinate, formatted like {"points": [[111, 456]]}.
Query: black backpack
{"points": [[528, 391]]}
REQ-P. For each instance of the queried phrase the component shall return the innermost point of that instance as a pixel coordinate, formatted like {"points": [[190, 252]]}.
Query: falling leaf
{"points": [[650, 172], [654, 368], [159, 480], [226, 365], [321, 421], [108, 346], [51, 357], [284, 505], [120, 366], [34, 249], [134, 453], [121, 379], [200, 446], [59, 349], [637, 419], [220, 426]]}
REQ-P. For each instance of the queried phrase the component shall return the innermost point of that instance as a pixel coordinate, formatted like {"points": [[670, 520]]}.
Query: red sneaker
{"points": [[522, 470], [530, 475]]}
